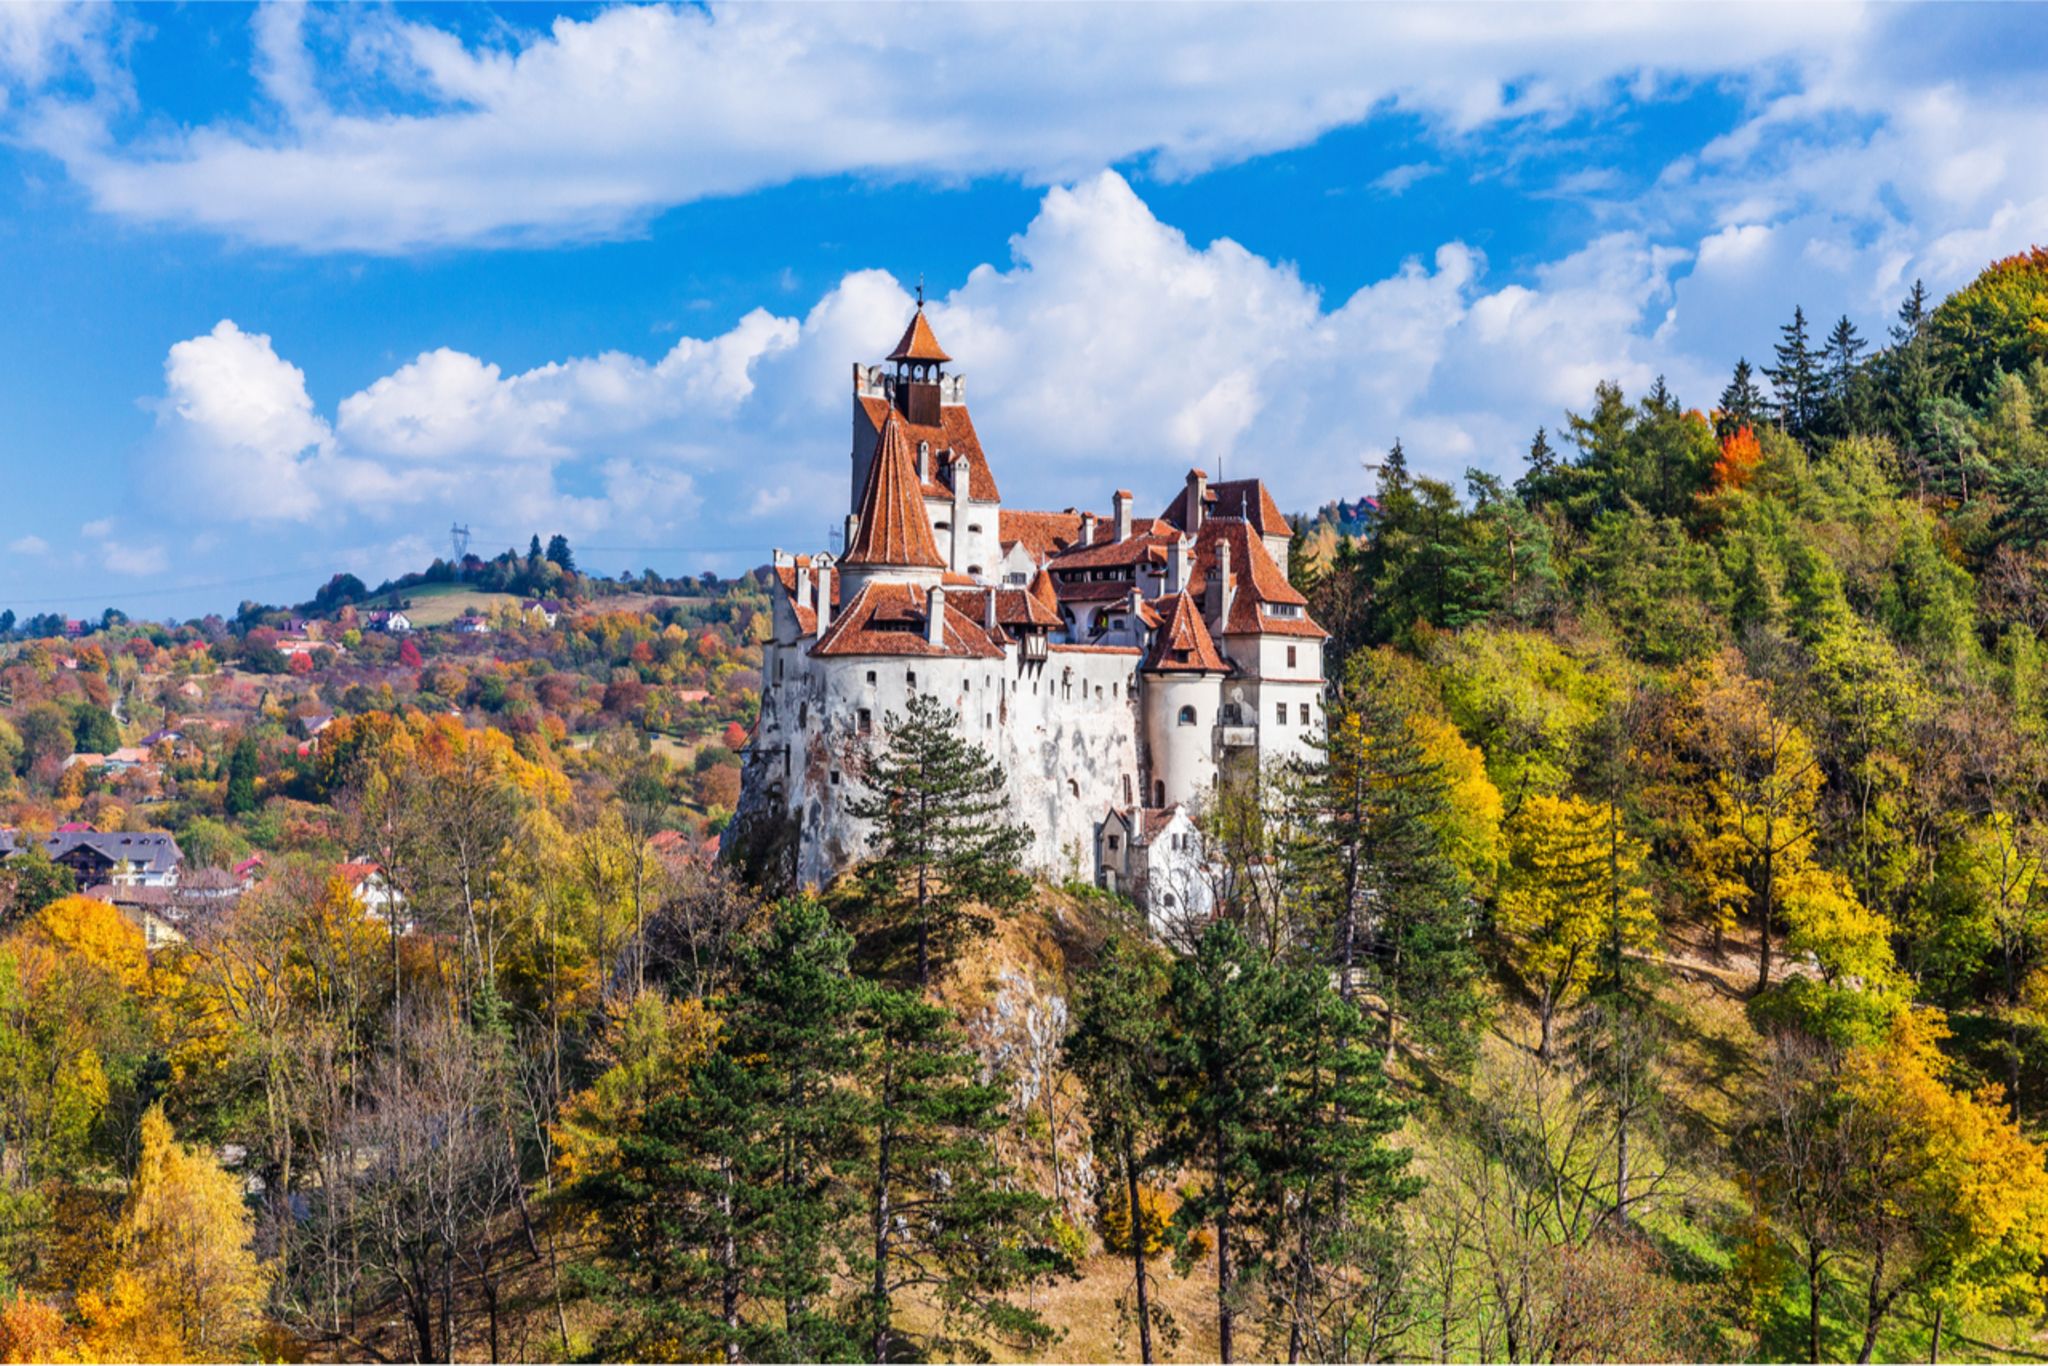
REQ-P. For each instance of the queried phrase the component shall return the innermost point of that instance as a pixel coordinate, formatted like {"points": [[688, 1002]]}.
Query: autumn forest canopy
{"points": [[1651, 964]]}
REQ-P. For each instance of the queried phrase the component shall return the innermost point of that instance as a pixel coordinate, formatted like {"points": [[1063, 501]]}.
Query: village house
{"points": [[119, 858], [1118, 667]]}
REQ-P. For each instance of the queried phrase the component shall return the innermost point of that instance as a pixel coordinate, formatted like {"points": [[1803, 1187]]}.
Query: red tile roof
{"points": [[1141, 547], [953, 432], [1255, 580], [893, 527], [1014, 607], [806, 617], [918, 342], [889, 619], [1246, 498], [1061, 647], [1183, 645], [1043, 534]]}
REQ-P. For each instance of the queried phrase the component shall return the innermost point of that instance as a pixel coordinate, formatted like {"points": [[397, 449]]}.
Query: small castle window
{"points": [[1304, 713], [974, 569], [974, 527], [835, 777], [910, 679], [942, 526], [867, 721], [1115, 843], [1290, 656], [1158, 792], [1166, 900], [1187, 716], [1073, 788], [871, 678], [1280, 710]]}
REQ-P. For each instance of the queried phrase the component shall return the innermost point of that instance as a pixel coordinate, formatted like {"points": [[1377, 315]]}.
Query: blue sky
{"points": [[289, 289]]}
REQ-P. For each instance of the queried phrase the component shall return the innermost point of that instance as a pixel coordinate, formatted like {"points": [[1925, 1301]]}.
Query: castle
{"points": [[1114, 665]]}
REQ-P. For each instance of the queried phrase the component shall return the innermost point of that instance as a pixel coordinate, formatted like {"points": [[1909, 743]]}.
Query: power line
{"points": [[158, 592]]}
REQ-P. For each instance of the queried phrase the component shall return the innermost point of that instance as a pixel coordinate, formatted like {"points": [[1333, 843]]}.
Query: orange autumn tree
{"points": [[1740, 455]]}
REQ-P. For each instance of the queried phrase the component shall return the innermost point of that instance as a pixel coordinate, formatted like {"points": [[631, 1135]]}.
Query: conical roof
{"points": [[893, 528], [1183, 644], [918, 342]]}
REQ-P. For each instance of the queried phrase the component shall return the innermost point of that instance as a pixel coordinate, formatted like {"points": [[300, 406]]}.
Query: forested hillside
{"points": [[1653, 965]]}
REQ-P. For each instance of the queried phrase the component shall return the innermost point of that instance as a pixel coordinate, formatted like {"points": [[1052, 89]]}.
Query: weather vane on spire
{"points": [[920, 290]]}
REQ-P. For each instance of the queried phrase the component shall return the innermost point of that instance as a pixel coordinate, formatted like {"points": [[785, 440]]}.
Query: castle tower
{"points": [[891, 538], [1179, 706]]}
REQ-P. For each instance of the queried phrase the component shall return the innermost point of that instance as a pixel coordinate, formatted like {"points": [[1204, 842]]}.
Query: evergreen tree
{"points": [[940, 844], [1742, 403], [1393, 913], [241, 790], [946, 1222], [1845, 401], [1797, 380], [1117, 1050], [559, 553], [1331, 1181], [533, 555], [716, 1227], [1221, 1069]]}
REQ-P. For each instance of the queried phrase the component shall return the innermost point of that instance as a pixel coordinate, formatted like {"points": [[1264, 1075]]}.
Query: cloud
{"points": [[29, 545], [588, 128], [1397, 181], [1109, 349]]}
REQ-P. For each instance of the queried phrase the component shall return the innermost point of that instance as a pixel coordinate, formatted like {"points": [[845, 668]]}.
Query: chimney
{"points": [[1177, 565], [1223, 585], [1197, 499], [1087, 528], [1122, 503], [924, 462], [988, 609], [803, 583], [824, 597], [935, 617]]}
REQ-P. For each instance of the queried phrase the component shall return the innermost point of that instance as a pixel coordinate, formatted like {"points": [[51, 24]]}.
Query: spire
{"points": [[1183, 643], [918, 343], [893, 529]]}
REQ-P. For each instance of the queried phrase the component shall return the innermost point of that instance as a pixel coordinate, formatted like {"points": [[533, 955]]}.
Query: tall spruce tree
{"points": [[1845, 383], [1221, 1069], [1393, 913], [1117, 1048], [1742, 403], [1332, 1183], [240, 798], [717, 1226], [940, 842], [945, 1220], [1797, 380]]}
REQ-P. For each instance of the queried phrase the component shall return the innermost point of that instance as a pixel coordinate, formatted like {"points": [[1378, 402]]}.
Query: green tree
{"points": [[1797, 380], [1742, 403], [940, 843], [30, 881], [94, 730], [1117, 1049], [717, 1222], [559, 554], [946, 1221], [240, 799]]}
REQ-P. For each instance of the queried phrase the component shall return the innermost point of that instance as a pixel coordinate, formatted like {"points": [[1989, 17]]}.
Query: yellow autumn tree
{"points": [[183, 1283], [1570, 892], [1946, 1198], [1761, 794]]}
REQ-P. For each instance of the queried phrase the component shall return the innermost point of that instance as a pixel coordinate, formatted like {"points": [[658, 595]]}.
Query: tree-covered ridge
{"points": [[1649, 965]]}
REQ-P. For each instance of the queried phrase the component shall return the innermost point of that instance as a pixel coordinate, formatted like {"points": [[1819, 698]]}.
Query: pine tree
{"points": [[1844, 377], [717, 1222], [1742, 403], [1332, 1182], [559, 554], [940, 843], [1222, 1070], [1393, 914], [1796, 379], [1117, 1049], [946, 1221], [533, 555], [240, 799]]}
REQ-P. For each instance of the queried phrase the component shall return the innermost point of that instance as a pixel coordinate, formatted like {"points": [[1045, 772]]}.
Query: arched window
{"points": [[974, 527], [1073, 788], [1187, 716]]}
